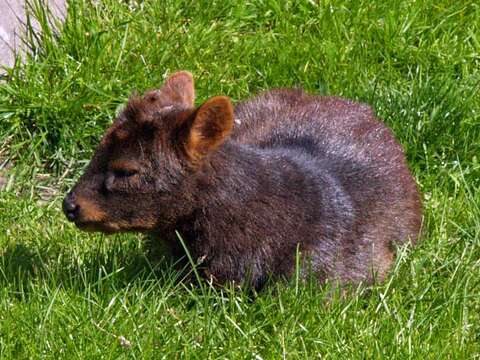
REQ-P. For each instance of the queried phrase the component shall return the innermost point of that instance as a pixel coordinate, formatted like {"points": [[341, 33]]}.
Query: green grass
{"points": [[69, 294]]}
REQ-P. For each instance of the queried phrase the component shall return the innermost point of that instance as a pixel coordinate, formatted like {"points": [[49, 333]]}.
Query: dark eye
{"points": [[124, 173]]}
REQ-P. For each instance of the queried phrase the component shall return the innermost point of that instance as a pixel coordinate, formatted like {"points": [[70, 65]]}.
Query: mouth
{"points": [[95, 226]]}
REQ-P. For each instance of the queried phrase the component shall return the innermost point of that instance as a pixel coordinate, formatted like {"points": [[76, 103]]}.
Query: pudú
{"points": [[280, 179]]}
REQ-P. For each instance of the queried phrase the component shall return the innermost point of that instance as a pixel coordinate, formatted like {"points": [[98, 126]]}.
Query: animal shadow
{"points": [[23, 265]]}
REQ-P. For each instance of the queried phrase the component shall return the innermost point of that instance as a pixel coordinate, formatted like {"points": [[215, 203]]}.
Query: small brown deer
{"points": [[251, 187]]}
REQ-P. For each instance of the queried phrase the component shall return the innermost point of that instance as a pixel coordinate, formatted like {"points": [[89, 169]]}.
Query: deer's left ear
{"points": [[210, 126], [178, 89]]}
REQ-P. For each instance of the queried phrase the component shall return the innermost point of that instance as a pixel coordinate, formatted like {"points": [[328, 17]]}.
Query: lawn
{"points": [[69, 294]]}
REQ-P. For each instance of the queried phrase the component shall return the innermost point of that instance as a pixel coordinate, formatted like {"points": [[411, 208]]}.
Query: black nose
{"points": [[70, 208]]}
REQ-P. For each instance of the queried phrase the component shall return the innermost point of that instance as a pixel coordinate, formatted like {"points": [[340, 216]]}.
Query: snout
{"points": [[86, 214], [71, 208]]}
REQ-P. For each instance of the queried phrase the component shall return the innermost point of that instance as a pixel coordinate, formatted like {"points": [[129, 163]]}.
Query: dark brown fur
{"points": [[247, 187]]}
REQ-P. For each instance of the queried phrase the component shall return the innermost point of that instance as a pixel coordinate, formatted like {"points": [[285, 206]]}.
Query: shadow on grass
{"points": [[23, 268]]}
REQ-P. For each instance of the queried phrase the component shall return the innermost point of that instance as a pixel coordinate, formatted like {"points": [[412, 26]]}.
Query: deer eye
{"points": [[124, 173]]}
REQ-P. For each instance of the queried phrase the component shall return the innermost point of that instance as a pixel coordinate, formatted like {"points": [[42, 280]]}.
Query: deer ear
{"points": [[178, 90], [209, 128]]}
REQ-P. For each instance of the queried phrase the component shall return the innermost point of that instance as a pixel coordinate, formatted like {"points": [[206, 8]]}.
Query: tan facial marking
{"points": [[90, 211], [126, 165]]}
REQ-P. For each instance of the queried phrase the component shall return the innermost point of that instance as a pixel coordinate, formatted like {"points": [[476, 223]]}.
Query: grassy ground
{"points": [[68, 294]]}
